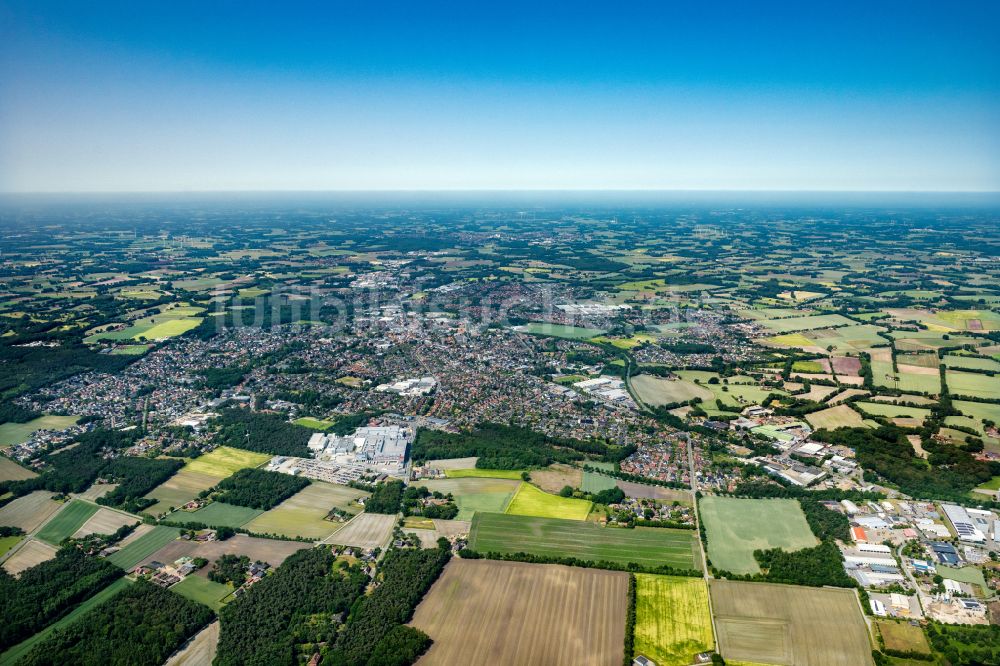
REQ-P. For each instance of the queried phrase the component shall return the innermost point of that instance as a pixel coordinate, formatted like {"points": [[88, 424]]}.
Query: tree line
{"points": [[258, 488]]}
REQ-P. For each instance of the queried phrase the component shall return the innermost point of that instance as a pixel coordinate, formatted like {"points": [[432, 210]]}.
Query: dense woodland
{"points": [[825, 523], [262, 432], [140, 626], [948, 473], [386, 497], [405, 576], [47, 591], [816, 567], [136, 477], [264, 626], [230, 569], [506, 447], [966, 645], [259, 488]]}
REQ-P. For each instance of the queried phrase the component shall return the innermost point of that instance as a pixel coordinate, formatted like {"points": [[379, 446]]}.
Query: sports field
{"points": [[487, 612], [217, 514], [203, 590], [483, 473], [788, 625], [552, 537], [475, 494], [11, 471], [140, 548], [12, 655], [672, 622], [313, 424], [30, 511], [67, 521], [303, 514], [737, 527], [530, 501], [18, 433]]}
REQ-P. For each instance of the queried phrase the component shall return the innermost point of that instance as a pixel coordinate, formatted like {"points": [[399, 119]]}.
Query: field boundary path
{"points": [[705, 573]]}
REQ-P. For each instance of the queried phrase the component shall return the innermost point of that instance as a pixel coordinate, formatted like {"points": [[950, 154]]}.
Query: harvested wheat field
{"points": [[490, 612], [272, 551], [368, 530], [105, 521], [30, 511], [788, 625], [198, 651], [32, 552]]}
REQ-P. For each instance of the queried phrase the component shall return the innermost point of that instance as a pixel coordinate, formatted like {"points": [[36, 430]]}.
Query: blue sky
{"points": [[371, 95]]}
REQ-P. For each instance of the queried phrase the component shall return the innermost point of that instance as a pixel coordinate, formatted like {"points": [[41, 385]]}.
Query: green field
{"points": [[530, 501], [893, 411], [658, 391], [474, 494], [595, 483], [560, 331], [808, 323], [67, 521], [313, 424], [225, 461], [672, 620], [737, 527], [971, 575], [217, 514], [973, 384], [6, 543], [552, 537], [144, 546], [303, 514], [171, 323], [841, 416], [903, 636], [18, 433], [15, 653], [483, 473], [201, 474], [203, 590]]}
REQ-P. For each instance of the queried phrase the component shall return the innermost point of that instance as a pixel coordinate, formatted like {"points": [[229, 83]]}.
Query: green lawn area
{"points": [[972, 575], [203, 590], [672, 622], [313, 424], [18, 433], [130, 350], [6, 543], [15, 653], [160, 326], [647, 546], [737, 527], [67, 521], [560, 331], [973, 384], [483, 473], [217, 514], [530, 501], [595, 483], [144, 546]]}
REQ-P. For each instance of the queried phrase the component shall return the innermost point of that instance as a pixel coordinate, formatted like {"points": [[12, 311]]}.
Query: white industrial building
{"points": [[964, 524]]}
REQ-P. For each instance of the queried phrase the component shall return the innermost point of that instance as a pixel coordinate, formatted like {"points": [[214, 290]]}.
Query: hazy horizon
{"points": [[390, 96]]}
